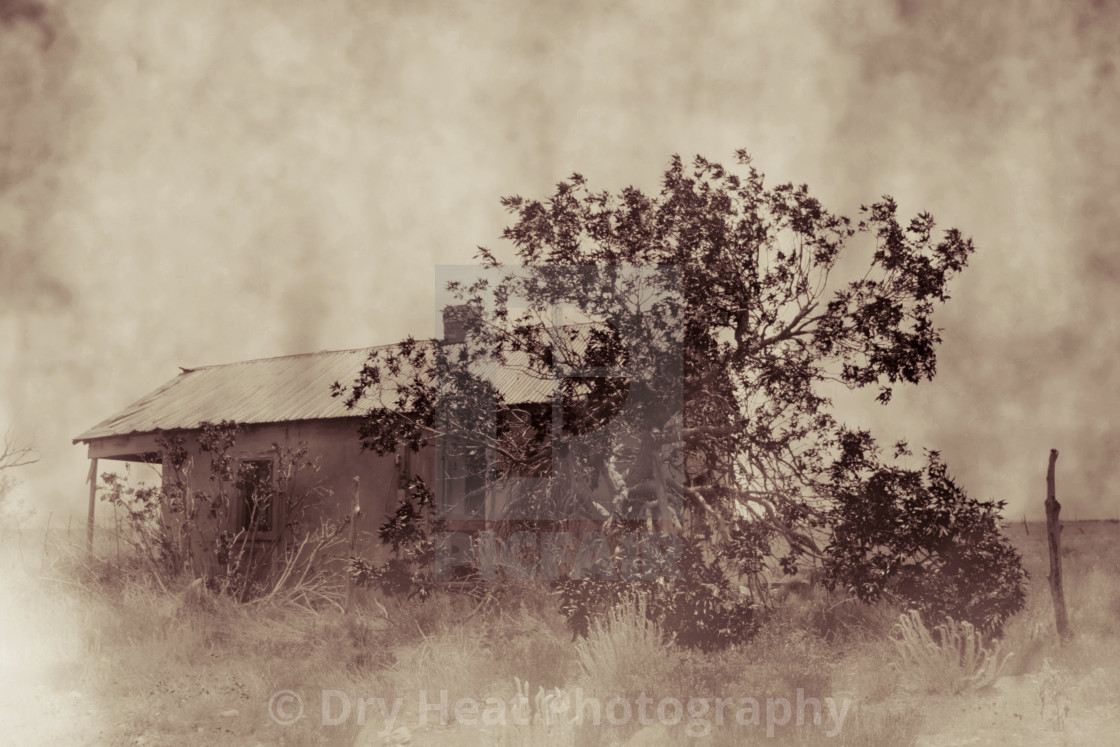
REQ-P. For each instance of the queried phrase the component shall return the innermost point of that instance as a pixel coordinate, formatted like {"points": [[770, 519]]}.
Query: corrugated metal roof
{"points": [[269, 390], [273, 390]]}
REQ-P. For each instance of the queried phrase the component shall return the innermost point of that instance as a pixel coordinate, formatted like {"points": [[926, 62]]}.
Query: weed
{"points": [[625, 655], [952, 662]]}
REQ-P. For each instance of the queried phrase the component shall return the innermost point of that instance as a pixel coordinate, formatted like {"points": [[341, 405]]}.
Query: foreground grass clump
{"points": [[626, 654], [951, 660]]}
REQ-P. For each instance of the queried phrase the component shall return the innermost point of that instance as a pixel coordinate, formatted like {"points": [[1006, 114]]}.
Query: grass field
{"points": [[93, 653]]}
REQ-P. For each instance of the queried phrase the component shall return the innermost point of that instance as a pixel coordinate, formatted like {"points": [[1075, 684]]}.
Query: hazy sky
{"points": [[184, 184]]}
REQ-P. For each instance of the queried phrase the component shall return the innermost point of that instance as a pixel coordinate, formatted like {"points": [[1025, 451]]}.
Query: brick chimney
{"points": [[455, 320]]}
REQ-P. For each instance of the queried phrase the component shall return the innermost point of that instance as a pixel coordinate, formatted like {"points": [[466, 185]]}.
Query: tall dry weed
{"points": [[953, 661], [626, 654]]}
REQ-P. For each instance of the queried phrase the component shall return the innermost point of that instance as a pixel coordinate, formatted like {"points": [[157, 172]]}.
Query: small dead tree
{"points": [[14, 454], [17, 454]]}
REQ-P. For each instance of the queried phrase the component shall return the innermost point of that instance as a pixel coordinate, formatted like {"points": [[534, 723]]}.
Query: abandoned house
{"points": [[287, 401]]}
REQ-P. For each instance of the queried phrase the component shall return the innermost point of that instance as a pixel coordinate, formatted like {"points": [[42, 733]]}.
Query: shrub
{"points": [[409, 532], [695, 603], [917, 539]]}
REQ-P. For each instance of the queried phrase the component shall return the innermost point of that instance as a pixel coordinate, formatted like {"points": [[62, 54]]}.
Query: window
{"points": [[462, 480], [256, 497]]}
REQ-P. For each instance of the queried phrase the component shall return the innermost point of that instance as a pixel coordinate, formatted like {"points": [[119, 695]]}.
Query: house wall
{"points": [[329, 490], [326, 494]]}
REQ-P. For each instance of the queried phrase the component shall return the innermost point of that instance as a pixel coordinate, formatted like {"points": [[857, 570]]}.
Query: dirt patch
{"points": [[40, 714], [1041, 708]]}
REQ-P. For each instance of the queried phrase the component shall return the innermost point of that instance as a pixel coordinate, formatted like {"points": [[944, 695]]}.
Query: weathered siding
{"points": [[329, 490]]}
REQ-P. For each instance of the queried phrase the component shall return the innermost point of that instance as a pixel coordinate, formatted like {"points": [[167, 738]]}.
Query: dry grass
{"points": [[951, 660], [626, 654], [165, 666]]}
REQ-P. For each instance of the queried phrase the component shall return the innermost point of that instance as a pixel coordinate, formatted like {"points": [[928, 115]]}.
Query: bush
{"points": [[917, 539], [409, 532], [695, 603]]}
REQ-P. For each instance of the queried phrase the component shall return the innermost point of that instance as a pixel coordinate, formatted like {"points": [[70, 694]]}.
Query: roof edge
{"points": [[87, 439], [192, 369]]}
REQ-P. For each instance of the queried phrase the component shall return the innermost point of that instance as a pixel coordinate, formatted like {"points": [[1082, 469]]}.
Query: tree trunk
{"points": [[1054, 534]]}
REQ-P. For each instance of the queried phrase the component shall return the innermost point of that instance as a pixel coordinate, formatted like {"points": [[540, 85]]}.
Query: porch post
{"points": [[355, 513], [92, 480]]}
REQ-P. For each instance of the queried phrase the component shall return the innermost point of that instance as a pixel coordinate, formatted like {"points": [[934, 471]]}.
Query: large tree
{"points": [[692, 369]]}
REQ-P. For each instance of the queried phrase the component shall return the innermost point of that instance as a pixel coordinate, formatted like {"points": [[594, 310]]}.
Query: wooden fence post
{"points": [[1054, 535]]}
